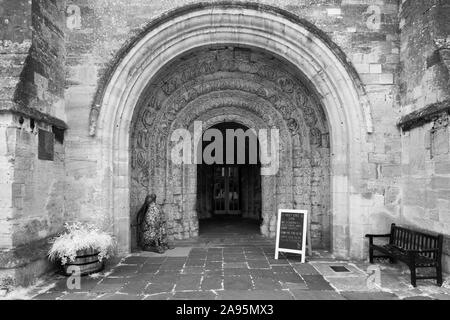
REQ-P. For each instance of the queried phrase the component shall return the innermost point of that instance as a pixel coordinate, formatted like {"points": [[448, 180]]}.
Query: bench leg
{"points": [[371, 255], [413, 276], [439, 275]]}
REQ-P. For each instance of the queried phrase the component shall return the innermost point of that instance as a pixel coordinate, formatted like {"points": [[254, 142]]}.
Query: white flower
{"points": [[79, 236]]}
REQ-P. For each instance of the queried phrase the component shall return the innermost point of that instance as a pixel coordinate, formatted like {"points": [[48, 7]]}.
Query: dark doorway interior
{"points": [[229, 226], [230, 194]]}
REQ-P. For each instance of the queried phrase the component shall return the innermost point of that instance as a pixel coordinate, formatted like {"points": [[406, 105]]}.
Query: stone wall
{"points": [[37, 208], [32, 104], [424, 95], [425, 39], [43, 76], [15, 42], [426, 178]]}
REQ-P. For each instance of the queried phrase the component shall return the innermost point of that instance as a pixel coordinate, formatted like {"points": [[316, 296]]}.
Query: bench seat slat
{"points": [[403, 255]]}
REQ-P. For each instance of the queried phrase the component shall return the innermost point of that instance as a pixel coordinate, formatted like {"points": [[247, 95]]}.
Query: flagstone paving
{"points": [[241, 273], [232, 261]]}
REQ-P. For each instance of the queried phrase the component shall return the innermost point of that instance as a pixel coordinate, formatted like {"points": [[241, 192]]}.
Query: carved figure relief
{"points": [[293, 126], [142, 139], [286, 84], [316, 137], [148, 116], [310, 116]]}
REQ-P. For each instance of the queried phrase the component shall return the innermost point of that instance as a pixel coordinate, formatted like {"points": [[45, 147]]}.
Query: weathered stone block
{"points": [[438, 182]]}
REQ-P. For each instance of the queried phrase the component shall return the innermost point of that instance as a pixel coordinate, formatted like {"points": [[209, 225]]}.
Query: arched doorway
{"points": [[319, 66], [243, 87], [229, 190]]}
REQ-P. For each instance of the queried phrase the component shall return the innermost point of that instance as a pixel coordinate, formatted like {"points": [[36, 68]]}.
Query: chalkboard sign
{"points": [[291, 232]]}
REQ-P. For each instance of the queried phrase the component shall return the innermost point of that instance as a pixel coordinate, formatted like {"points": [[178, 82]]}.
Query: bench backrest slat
{"points": [[432, 245], [403, 239], [409, 241]]}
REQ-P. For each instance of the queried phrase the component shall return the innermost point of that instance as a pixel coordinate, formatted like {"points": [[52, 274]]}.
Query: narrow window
{"points": [[46, 145]]}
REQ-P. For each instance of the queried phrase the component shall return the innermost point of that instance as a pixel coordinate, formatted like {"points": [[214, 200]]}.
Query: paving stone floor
{"points": [[238, 264], [238, 273]]}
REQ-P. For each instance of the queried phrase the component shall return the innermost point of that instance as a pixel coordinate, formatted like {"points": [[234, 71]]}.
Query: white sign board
{"points": [[292, 228]]}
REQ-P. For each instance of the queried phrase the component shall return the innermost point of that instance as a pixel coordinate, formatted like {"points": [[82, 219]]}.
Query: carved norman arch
{"points": [[323, 69]]}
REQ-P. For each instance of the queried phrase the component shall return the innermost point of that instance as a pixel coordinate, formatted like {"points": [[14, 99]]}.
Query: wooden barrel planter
{"points": [[88, 262]]}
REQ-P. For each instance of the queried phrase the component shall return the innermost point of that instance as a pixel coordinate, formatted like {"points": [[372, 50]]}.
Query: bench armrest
{"points": [[378, 235], [372, 236]]}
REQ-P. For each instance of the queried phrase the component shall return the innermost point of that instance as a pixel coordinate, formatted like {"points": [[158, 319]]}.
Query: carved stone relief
{"points": [[206, 81]]}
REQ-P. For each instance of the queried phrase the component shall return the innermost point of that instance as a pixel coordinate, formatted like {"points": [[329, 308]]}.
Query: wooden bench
{"points": [[416, 249]]}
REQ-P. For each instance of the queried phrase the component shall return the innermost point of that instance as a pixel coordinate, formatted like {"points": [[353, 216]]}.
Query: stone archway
{"points": [[254, 87], [323, 70]]}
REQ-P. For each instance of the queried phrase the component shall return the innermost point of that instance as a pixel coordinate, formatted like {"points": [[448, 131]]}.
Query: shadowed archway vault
{"points": [[254, 65]]}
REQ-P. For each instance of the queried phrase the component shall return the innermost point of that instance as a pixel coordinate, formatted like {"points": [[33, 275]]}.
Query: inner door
{"points": [[226, 196]]}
